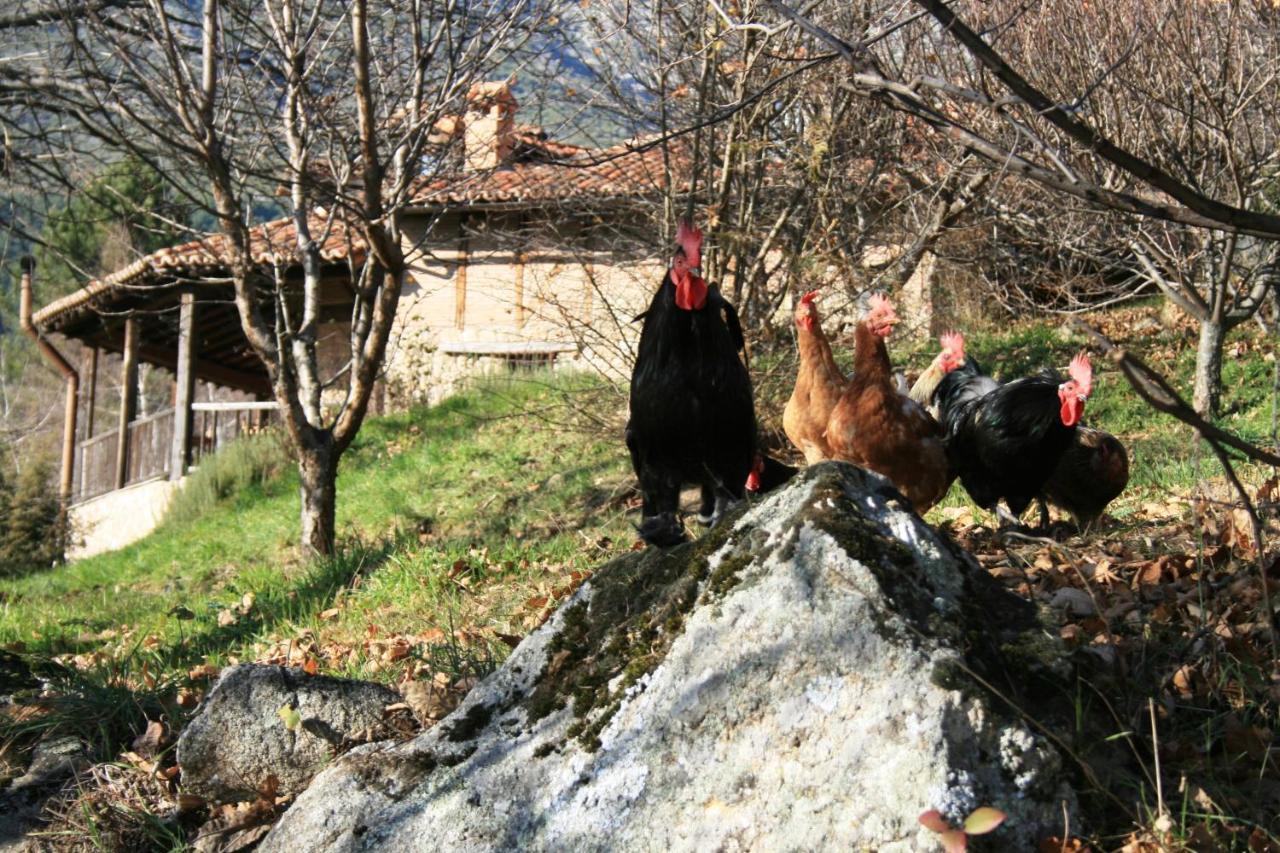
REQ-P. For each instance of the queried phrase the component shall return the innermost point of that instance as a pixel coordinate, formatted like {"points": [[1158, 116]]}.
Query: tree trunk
{"points": [[318, 472], [1209, 367]]}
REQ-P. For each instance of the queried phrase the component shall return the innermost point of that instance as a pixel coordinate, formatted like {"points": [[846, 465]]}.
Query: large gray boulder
{"points": [[238, 739], [807, 676]]}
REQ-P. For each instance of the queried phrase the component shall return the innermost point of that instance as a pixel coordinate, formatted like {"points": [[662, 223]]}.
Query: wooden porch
{"points": [[175, 309], [147, 449]]}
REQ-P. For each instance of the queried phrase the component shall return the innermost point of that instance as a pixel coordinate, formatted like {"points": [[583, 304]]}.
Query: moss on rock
{"points": [[622, 632]]}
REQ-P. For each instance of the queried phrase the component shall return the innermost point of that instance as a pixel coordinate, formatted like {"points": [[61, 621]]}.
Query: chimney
{"points": [[488, 125]]}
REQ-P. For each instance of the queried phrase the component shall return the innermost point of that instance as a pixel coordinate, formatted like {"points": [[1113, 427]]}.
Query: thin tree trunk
{"points": [[1208, 388], [318, 472]]}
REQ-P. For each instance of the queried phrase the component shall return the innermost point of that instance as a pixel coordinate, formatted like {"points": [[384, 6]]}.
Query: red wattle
{"points": [[691, 292], [1071, 411], [753, 482]]}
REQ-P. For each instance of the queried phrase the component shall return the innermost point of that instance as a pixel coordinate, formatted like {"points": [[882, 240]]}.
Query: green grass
{"points": [[508, 489], [495, 478], [462, 525]]}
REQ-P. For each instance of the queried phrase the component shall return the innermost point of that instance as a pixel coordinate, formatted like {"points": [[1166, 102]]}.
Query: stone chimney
{"points": [[488, 125]]}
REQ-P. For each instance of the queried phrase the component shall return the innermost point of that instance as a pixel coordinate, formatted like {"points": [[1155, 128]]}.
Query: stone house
{"points": [[529, 253]]}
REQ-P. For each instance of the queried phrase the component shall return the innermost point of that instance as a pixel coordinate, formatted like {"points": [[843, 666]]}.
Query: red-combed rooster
{"points": [[1005, 441], [948, 359], [819, 384], [881, 429], [692, 415]]}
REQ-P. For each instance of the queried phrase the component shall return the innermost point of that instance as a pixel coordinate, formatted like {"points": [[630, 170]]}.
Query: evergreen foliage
{"points": [[122, 214], [32, 533]]}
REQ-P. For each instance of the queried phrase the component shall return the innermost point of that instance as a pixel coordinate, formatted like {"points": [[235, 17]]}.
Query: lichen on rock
{"points": [[813, 673], [237, 740]]}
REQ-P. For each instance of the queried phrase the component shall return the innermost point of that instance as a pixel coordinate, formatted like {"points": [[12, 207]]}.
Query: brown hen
{"points": [[883, 430], [1091, 474], [819, 384]]}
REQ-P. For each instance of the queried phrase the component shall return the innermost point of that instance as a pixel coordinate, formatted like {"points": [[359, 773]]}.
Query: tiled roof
{"points": [[270, 243], [535, 138], [626, 170], [554, 171]]}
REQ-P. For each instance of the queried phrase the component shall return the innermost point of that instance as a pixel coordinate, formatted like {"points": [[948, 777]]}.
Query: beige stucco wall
{"points": [[579, 298], [118, 518]]}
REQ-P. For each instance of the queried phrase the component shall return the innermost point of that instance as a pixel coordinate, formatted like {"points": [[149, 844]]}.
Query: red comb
{"points": [[1082, 372], [879, 302], [690, 239], [808, 298], [953, 341]]}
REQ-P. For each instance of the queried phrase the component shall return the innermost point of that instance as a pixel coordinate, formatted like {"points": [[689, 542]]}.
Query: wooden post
{"points": [[128, 399], [186, 386], [521, 257], [460, 274], [460, 286], [90, 391], [90, 405]]}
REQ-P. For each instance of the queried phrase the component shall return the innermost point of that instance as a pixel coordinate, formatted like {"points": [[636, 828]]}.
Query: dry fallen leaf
{"points": [[150, 742], [202, 672], [1240, 739]]}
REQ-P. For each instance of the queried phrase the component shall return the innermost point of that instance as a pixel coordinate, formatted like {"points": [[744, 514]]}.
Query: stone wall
{"points": [[118, 518], [473, 303]]}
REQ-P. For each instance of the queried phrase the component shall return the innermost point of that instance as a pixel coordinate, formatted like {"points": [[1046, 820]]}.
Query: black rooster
{"points": [[692, 416], [1004, 441], [766, 475]]}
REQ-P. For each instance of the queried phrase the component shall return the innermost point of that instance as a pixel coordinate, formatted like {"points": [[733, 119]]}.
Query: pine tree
{"points": [[105, 225], [32, 534]]}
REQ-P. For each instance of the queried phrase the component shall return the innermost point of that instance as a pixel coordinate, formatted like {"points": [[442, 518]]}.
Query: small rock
{"points": [[53, 761], [1076, 602], [1147, 324], [237, 739]]}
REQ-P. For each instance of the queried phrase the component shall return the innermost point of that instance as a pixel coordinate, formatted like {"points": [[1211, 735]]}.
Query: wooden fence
{"points": [[214, 425]]}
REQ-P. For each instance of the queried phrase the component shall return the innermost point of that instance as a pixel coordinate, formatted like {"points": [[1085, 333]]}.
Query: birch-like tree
{"points": [[327, 105]]}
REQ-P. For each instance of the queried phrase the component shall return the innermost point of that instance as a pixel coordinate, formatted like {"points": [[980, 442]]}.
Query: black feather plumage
{"points": [[692, 415], [1004, 441]]}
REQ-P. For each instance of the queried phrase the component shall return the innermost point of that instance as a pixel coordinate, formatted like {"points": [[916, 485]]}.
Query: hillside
{"points": [[464, 524]]}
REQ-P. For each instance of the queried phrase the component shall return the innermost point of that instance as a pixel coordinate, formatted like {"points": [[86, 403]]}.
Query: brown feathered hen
{"points": [[819, 384], [879, 428]]}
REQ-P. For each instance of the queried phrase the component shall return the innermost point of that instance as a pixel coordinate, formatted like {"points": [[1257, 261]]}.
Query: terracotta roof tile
{"points": [[270, 243], [630, 169], [562, 172]]}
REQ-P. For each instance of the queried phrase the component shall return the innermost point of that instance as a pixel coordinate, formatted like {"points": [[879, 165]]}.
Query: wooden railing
{"points": [[215, 425], [151, 444]]}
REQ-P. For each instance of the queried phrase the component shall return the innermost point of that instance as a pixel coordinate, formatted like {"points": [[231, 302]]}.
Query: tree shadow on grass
{"points": [[311, 593]]}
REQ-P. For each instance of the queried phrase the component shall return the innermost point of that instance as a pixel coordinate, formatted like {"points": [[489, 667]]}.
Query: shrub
{"points": [[32, 532], [250, 461]]}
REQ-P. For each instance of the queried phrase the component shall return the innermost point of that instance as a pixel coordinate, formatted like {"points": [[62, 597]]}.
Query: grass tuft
{"points": [[241, 469]]}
